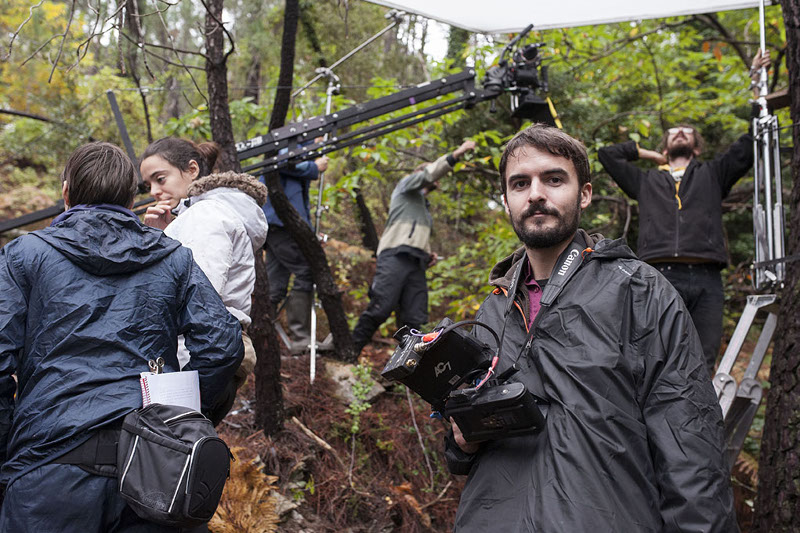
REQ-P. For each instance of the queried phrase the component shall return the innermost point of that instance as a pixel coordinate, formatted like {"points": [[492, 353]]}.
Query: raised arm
{"points": [[616, 160], [436, 170], [734, 163]]}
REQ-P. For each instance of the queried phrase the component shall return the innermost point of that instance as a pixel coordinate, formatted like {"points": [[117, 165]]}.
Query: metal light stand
{"points": [[739, 402], [768, 218], [334, 85]]}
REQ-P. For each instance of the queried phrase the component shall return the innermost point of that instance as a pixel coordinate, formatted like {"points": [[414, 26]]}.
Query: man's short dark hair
{"points": [[552, 140], [699, 142], [100, 173]]}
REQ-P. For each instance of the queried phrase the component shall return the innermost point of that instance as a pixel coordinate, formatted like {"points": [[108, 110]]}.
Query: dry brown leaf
{"points": [[403, 488], [246, 504]]}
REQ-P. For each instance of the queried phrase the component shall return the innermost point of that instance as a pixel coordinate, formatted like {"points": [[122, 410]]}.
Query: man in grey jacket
{"points": [[404, 252], [632, 439]]}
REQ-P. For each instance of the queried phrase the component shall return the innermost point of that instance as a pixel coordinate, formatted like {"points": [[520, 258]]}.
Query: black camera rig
{"points": [[522, 77], [437, 364]]}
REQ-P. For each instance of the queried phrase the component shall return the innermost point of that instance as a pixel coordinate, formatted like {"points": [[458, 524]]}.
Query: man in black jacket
{"points": [[632, 439], [680, 215]]}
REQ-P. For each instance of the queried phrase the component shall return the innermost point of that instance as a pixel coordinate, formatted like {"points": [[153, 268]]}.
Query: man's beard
{"points": [[680, 150], [538, 237]]}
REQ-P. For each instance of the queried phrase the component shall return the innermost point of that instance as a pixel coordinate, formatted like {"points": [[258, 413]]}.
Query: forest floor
{"points": [[335, 467], [385, 474]]}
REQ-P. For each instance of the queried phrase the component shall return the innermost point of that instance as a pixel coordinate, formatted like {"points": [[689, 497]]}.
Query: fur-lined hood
{"points": [[242, 194], [231, 180]]}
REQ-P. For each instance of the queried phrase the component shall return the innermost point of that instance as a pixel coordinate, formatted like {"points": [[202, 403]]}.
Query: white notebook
{"points": [[172, 388]]}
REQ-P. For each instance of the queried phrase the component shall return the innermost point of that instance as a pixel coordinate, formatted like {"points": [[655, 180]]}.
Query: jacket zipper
{"points": [[677, 221]]}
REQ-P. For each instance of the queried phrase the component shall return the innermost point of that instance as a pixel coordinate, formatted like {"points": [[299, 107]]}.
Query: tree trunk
{"points": [[217, 79], [306, 240], [369, 235], [269, 394], [778, 501]]}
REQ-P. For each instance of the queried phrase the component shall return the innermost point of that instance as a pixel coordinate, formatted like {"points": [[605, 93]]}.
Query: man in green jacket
{"points": [[404, 252]]}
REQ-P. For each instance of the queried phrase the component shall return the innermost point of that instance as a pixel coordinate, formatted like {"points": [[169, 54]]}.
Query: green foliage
{"points": [[361, 390]]}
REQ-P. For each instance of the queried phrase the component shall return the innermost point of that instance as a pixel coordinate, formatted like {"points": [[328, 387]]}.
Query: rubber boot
{"points": [[298, 316]]}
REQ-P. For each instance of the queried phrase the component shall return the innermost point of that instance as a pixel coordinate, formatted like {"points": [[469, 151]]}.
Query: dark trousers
{"points": [[700, 286], [284, 258], [59, 498], [400, 285]]}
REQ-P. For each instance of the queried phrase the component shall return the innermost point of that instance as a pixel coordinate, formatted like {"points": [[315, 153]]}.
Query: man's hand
{"points": [[322, 163], [761, 60], [466, 447], [465, 147], [433, 259], [159, 215], [652, 155]]}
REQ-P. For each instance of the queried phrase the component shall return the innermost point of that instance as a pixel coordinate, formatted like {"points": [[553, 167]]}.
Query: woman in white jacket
{"points": [[219, 217]]}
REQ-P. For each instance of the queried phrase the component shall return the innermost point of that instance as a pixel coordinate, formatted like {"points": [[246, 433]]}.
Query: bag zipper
{"points": [[130, 460], [180, 480]]}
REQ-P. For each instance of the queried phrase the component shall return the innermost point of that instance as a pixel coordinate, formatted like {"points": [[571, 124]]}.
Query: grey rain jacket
{"points": [[633, 434], [84, 304]]}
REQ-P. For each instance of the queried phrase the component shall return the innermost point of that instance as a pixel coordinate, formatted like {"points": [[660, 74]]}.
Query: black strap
{"points": [[100, 449], [787, 259], [567, 264]]}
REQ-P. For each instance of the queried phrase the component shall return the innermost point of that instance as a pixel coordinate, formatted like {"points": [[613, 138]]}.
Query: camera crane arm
{"points": [[295, 143], [289, 145]]}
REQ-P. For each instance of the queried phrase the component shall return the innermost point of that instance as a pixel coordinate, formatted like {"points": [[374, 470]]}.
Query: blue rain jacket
{"points": [[84, 304], [296, 183]]}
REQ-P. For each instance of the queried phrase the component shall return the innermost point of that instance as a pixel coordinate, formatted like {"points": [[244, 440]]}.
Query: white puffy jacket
{"points": [[223, 224]]}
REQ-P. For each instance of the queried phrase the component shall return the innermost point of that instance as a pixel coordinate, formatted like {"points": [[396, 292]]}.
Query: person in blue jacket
{"points": [[284, 257], [84, 304]]}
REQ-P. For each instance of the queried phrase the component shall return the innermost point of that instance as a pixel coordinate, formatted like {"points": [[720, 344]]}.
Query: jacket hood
{"points": [[602, 248], [231, 180], [103, 242], [243, 193]]}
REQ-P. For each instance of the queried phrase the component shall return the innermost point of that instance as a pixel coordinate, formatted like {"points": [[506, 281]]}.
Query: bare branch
{"points": [[162, 58], [38, 50], [136, 21], [86, 43], [19, 29], [172, 42], [178, 50], [64, 38], [222, 26]]}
